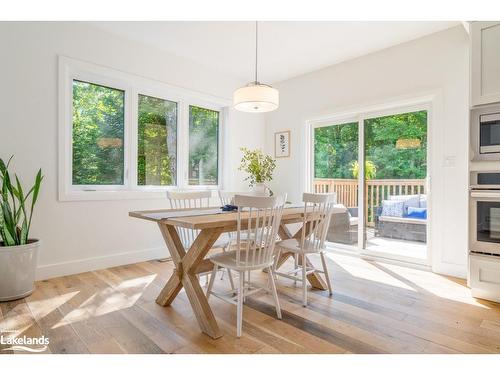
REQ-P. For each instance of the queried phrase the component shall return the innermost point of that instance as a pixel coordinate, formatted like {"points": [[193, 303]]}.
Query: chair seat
{"points": [[293, 245], [228, 260], [234, 235], [222, 242]]}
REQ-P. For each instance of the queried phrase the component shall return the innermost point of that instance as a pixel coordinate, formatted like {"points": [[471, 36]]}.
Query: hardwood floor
{"points": [[376, 308]]}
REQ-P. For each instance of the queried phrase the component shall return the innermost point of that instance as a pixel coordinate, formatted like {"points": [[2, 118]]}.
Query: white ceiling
{"points": [[286, 49]]}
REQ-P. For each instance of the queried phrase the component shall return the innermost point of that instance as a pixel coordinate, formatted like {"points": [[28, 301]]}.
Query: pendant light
{"points": [[256, 97]]}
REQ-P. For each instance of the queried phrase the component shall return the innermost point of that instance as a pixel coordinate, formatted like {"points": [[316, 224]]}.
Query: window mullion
{"points": [[131, 126], [183, 145]]}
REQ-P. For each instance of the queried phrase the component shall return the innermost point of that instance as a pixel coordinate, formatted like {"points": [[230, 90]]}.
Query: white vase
{"points": [[17, 270], [260, 189]]}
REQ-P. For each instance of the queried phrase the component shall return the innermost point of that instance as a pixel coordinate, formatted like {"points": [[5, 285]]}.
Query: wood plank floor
{"points": [[376, 308]]}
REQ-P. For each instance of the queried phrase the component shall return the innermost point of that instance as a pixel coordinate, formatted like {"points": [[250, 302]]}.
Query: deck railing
{"points": [[375, 191]]}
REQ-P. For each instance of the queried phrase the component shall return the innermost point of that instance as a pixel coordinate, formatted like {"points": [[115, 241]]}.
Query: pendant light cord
{"points": [[256, 47]]}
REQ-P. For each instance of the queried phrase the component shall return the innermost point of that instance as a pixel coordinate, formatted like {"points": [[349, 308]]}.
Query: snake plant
{"points": [[16, 207]]}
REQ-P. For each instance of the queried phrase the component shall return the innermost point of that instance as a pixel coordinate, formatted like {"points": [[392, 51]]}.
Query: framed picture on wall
{"points": [[282, 144]]}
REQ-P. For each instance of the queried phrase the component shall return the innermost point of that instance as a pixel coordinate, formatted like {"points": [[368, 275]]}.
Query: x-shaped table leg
{"points": [[187, 266]]}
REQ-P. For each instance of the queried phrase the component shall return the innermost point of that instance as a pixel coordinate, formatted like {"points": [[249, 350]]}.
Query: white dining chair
{"points": [[317, 212], [258, 219], [193, 200], [227, 197]]}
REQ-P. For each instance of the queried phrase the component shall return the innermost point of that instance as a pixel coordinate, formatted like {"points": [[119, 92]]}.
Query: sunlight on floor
{"points": [[12, 323], [435, 284], [108, 300], [411, 249], [44, 306], [37, 309], [420, 281], [368, 271]]}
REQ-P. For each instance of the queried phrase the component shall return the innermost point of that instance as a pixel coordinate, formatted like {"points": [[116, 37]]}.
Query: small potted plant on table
{"points": [[18, 252], [260, 168]]}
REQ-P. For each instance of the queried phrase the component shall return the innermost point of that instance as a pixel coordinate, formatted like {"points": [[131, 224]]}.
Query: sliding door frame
{"points": [[423, 103]]}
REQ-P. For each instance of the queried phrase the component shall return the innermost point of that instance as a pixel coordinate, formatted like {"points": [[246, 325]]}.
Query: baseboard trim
{"points": [[48, 271], [450, 269]]}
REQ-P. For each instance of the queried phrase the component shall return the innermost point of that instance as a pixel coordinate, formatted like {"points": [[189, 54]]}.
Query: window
{"points": [[98, 134], [123, 136], [157, 141], [203, 146]]}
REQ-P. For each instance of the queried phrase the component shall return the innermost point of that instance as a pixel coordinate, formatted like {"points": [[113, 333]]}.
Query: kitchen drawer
{"points": [[484, 277]]}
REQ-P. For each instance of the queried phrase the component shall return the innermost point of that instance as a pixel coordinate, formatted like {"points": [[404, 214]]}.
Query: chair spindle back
{"points": [[259, 219], [185, 200], [317, 212]]}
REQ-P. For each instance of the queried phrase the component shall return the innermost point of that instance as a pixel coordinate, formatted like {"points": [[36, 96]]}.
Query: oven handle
{"points": [[485, 194], [490, 117]]}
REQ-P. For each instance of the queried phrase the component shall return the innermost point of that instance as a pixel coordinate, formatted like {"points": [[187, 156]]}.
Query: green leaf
{"points": [[24, 233], [36, 191], [7, 238], [11, 190], [20, 196], [36, 187], [4, 167], [5, 192], [9, 226]]}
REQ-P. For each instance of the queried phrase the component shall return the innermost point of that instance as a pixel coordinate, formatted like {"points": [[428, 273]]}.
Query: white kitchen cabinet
{"points": [[485, 62], [484, 276]]}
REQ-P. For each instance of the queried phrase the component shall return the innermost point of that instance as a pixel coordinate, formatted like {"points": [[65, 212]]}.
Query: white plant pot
{"points": [[260, 189], [17, 270]]}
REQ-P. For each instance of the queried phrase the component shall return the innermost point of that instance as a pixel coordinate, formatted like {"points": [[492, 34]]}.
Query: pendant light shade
{"points": [[256, 97]]}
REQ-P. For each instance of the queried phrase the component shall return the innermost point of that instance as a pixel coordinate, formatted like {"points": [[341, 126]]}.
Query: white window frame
{"points": [[133, 85]]}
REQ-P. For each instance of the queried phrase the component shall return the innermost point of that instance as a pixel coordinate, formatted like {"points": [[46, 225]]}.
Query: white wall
{"points": [[436, 64], [79, 236]]}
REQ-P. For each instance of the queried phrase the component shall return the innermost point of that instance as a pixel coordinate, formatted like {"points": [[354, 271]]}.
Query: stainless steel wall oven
{"points": [[484, 226]]}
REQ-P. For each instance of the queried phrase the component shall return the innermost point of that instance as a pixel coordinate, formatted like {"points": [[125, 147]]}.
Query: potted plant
{"points": [[260, 168], [18, 252], [370, 169]]}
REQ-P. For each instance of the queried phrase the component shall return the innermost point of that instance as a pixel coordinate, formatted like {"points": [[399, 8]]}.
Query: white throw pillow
{"points": [[423, 201], [393, 208], [408, 200]]}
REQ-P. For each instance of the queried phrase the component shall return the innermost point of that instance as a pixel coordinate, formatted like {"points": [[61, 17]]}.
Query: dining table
{"points": [[209, 223]]}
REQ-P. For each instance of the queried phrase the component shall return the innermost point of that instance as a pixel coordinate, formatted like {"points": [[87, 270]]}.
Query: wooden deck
{"points": [[375, 191], [376, 308]]}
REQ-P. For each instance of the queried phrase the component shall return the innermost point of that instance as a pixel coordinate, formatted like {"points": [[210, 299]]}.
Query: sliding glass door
{"points": [[395, 153], [386, 196], [335, 157]]}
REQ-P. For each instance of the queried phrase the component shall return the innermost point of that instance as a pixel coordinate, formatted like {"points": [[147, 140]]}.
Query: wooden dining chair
{"points": [[317, 212], [258, 219], [193, 200]]}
